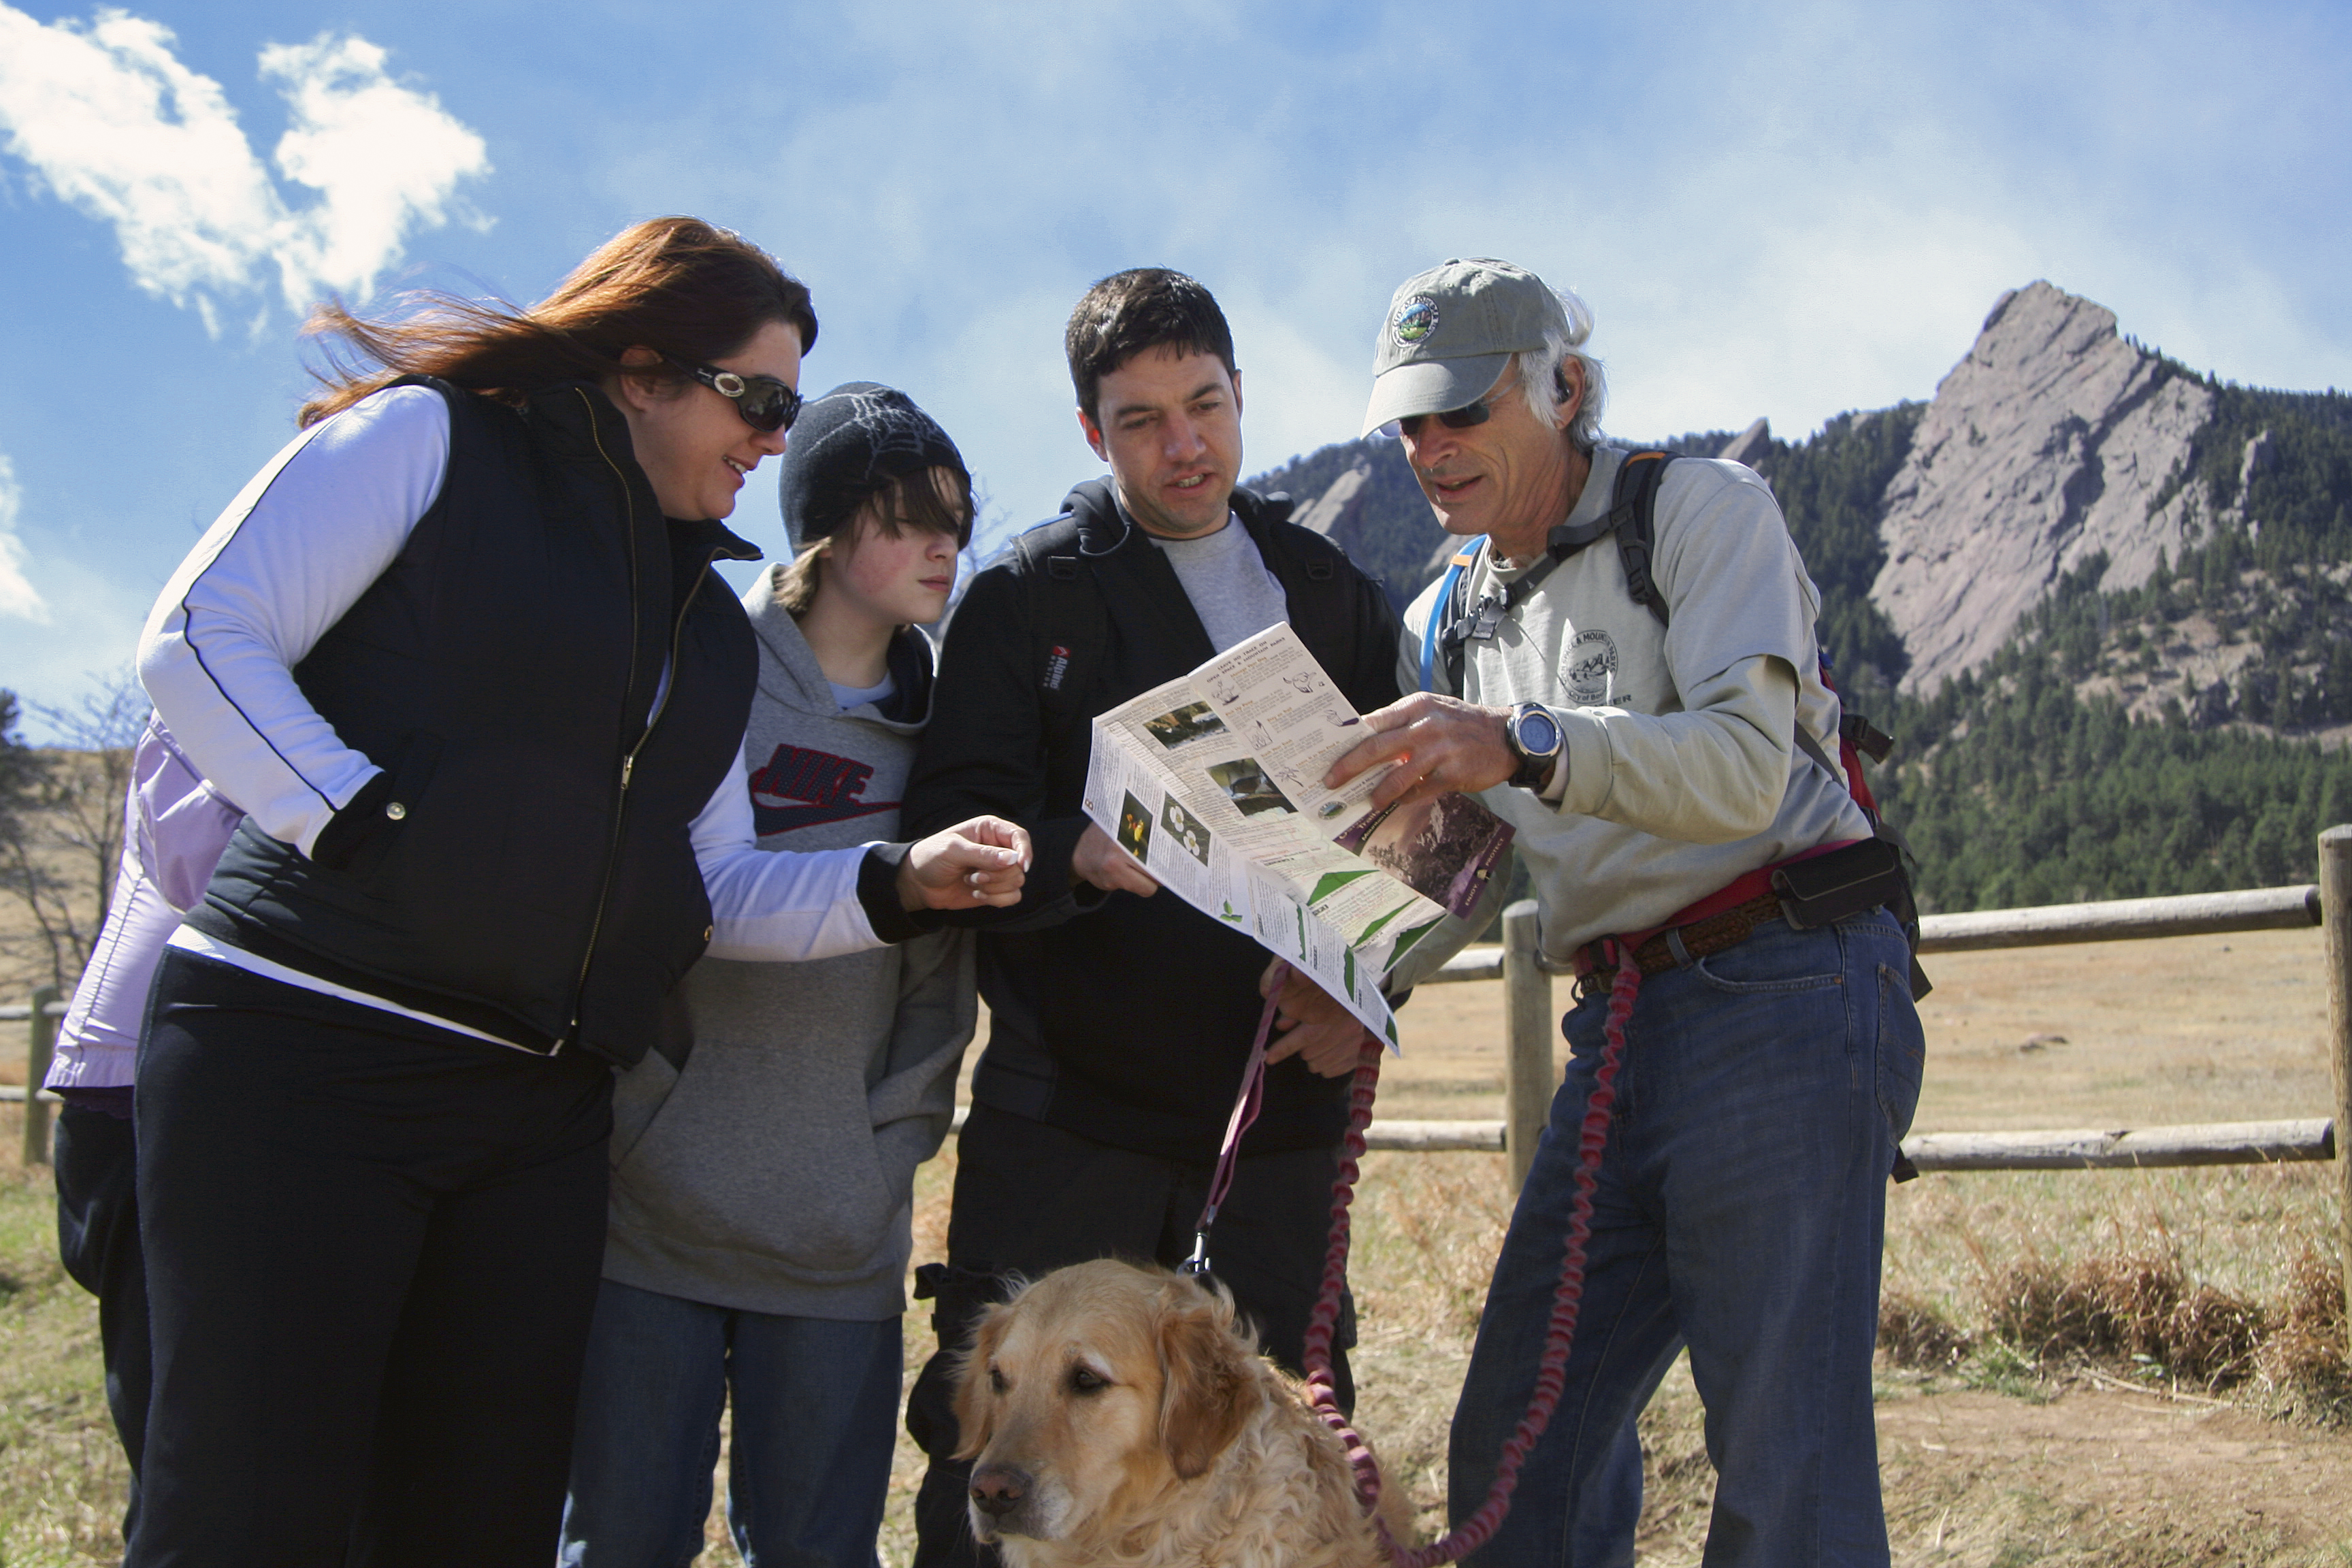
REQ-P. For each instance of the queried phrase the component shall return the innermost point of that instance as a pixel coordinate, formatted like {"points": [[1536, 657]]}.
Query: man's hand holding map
{"points": [[1214, 783]]}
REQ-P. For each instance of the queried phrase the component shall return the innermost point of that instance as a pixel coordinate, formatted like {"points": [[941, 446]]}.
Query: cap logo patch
{"points": [[1416, 319]]}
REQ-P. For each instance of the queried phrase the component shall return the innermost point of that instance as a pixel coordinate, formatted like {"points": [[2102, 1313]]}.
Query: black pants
{"points": [[372, 1255], [97, 1167], [1030, 1197]]}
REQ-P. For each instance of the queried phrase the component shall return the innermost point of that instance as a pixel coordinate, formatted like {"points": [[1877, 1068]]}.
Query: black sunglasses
{"points": [[765, 403], [1477, 412]]}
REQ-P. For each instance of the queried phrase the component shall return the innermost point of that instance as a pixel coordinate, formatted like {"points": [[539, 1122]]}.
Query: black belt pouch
{"points": [[1829, 887]]}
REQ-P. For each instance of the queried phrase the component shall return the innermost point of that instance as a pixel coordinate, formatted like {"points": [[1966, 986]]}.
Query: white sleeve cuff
{"points": [[774, 906]]}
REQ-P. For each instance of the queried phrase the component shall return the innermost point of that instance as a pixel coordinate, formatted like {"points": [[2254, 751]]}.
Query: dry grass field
{"points": [[2137, 1369]]}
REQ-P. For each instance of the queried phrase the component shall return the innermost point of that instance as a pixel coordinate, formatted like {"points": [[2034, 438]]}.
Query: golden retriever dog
{"points": [[1119, 1416]]}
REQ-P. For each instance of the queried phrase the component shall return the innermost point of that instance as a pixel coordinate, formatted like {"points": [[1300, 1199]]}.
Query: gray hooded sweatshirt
{"points": [[774, 1173]]}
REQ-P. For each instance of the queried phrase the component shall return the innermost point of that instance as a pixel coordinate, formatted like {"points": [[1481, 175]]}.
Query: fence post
{"points": [[2335, 927], [41, 1039], [1530, 1027]]}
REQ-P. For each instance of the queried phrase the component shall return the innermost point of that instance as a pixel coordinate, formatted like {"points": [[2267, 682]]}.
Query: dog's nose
{"points": [[997, 1489]]}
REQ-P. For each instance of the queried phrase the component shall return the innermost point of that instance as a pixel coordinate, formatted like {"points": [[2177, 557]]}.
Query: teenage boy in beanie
{"points": [[1120, 1021], [763, 1158]]}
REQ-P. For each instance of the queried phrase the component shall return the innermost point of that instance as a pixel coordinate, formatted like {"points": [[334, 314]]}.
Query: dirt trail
{"points": [[2109, 1477], [1972, 1479]]}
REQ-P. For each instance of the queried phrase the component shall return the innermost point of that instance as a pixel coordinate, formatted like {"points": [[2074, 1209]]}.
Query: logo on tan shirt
{"points": [[1589, 669]]}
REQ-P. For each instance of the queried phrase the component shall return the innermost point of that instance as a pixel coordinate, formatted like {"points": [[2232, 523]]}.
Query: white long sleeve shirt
{"points": [[174, 827], [296, 549]]}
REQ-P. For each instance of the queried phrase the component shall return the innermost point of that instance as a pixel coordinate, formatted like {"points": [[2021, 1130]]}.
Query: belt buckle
{"points": [[1592, 976]]}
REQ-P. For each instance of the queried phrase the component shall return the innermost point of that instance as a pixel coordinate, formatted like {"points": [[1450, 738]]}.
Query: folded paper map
{"points": [[1215, 784]]}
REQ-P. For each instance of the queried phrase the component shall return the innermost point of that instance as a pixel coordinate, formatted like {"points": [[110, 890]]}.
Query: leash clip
{"points": [[1197, 1265]]}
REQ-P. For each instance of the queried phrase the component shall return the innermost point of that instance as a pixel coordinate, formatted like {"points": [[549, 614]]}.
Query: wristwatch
{"points": [[1534, 738]]}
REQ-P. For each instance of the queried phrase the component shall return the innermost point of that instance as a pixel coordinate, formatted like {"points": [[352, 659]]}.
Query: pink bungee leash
{"points": [[1551, 1371]]}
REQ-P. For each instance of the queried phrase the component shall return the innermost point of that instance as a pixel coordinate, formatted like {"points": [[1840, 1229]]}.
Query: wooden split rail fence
{"points": [[1532, 1029], [1532, 1025]]}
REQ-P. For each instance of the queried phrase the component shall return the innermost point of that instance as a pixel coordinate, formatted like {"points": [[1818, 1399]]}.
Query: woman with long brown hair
{"points": [[460, 653]]}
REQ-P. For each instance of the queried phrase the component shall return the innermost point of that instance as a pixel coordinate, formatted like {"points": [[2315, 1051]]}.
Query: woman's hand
{"points": [[984, 861]]}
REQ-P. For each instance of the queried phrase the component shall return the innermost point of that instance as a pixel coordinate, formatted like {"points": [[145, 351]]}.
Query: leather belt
{"points": [[1678, 946]]}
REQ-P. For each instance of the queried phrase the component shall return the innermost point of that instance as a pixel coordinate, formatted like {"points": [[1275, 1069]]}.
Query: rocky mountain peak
{"points": [[2052, 441], [1750, 445], [1336, 511]]}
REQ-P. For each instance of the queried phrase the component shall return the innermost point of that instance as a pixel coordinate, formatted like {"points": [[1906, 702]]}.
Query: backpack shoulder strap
{"points": [[1066, 615], [1318, 583], [1634, 517], [1445, 623], [1267, 519]]}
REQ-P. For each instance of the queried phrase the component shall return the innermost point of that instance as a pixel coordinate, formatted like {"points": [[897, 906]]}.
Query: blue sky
{"points": [[1785, 210]]}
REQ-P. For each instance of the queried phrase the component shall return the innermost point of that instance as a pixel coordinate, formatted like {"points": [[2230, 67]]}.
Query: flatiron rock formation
{"points": [[1750, 446], [1338, 511], [2050, 442]]}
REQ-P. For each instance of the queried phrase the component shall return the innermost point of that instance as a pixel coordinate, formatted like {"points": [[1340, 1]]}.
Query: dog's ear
{"points": [[1206, 1390], [973, 1407]]}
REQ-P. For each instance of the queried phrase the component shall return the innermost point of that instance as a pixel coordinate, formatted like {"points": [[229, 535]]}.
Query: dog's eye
{"points": [[1084, 1381], [996, 1384]]}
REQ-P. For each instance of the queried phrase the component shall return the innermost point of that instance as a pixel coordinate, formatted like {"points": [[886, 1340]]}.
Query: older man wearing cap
{"points": [[1662, 754]]}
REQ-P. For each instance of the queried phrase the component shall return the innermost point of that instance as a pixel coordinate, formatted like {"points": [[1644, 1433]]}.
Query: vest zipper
{"points": [[661, 705], [629, 766], [677, 636], [628, 760]]}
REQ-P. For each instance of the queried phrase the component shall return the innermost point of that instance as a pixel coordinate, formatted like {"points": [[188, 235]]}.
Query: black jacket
{"points": [[1122, 1019], [522, 864]]}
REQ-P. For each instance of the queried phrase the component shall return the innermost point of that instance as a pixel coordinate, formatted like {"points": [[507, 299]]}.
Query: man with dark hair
{"points": [[1120, 1021]]}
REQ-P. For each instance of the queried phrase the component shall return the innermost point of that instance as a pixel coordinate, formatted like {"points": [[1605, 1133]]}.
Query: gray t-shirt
{"points": [[1223, 575]]}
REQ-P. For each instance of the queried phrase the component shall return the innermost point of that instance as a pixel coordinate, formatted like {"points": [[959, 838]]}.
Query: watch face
{"points": [[1539, 733]]}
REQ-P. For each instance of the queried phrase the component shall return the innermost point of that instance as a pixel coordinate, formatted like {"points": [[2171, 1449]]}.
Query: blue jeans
{"points": [[816, 1409], [1740, 1211]]}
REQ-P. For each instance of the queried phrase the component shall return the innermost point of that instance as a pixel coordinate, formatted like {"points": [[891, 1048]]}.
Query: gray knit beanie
{"points": [[847, 447]]}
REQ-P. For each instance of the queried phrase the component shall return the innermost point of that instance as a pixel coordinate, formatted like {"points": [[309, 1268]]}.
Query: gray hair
{"points": [[1538, 370]]}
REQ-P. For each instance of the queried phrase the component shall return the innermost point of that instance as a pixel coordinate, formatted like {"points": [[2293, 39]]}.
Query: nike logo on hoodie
{"points": [[799, 787]]}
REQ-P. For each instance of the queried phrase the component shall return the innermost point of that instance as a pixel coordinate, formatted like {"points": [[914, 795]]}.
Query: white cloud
{"points": [[385, 158], [17, 596], [113, 122], [119, 129]]}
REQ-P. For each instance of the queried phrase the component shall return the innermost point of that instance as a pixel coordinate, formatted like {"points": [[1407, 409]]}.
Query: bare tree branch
{"points": [[61, 822]]}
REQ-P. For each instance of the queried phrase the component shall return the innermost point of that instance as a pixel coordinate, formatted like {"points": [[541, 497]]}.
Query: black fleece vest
{"points": [[523, 864]]}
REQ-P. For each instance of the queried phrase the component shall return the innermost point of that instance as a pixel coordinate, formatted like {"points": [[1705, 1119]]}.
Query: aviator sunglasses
{"points": [[765, 403], [1477, 412]]}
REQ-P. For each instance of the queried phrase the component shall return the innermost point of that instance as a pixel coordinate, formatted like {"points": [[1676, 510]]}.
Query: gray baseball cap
{"points": [[1450, 330]]}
